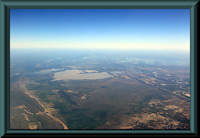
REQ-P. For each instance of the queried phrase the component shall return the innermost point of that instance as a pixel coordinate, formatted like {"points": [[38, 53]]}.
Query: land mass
{"points": [[98, 92]]}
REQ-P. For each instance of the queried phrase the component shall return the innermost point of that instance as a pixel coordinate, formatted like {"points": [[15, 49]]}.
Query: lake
{"points": [[77, 75], [115, 72]]}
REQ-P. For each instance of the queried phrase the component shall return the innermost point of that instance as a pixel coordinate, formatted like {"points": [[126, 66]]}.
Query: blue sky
{"points": [[100, 28]]}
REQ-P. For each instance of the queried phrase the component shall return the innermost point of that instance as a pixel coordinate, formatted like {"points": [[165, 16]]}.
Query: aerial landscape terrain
{"points": [[99, 89], [100, 69]]}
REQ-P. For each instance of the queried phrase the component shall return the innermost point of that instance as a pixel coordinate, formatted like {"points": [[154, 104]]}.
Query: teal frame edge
{"points": [[6, 5]]}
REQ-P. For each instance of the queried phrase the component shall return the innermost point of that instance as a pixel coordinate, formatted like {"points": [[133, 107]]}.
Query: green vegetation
{"points": [[63, 107], [85, 118], [48, 87]]}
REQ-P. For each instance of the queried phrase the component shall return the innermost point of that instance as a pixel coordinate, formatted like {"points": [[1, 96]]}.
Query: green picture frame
{"points": [[6, 5]]}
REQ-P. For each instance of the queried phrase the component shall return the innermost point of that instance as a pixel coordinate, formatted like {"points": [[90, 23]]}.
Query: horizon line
{"points": [[105, 48]]}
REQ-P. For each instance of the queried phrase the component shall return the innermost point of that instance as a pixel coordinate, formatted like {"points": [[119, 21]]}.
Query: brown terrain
{"points": [[42, 111]]}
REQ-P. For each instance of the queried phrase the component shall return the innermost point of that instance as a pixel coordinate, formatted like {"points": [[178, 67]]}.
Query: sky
{"points": [[100, 28]]}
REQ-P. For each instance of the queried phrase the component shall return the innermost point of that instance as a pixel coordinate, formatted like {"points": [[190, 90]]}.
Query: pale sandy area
{"points": [[25, 116], [187, 94], [170, 107], [32, 126], [145, 118]]}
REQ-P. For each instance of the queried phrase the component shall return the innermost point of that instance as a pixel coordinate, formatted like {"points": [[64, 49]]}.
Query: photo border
{"points": [[6, 5]]}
